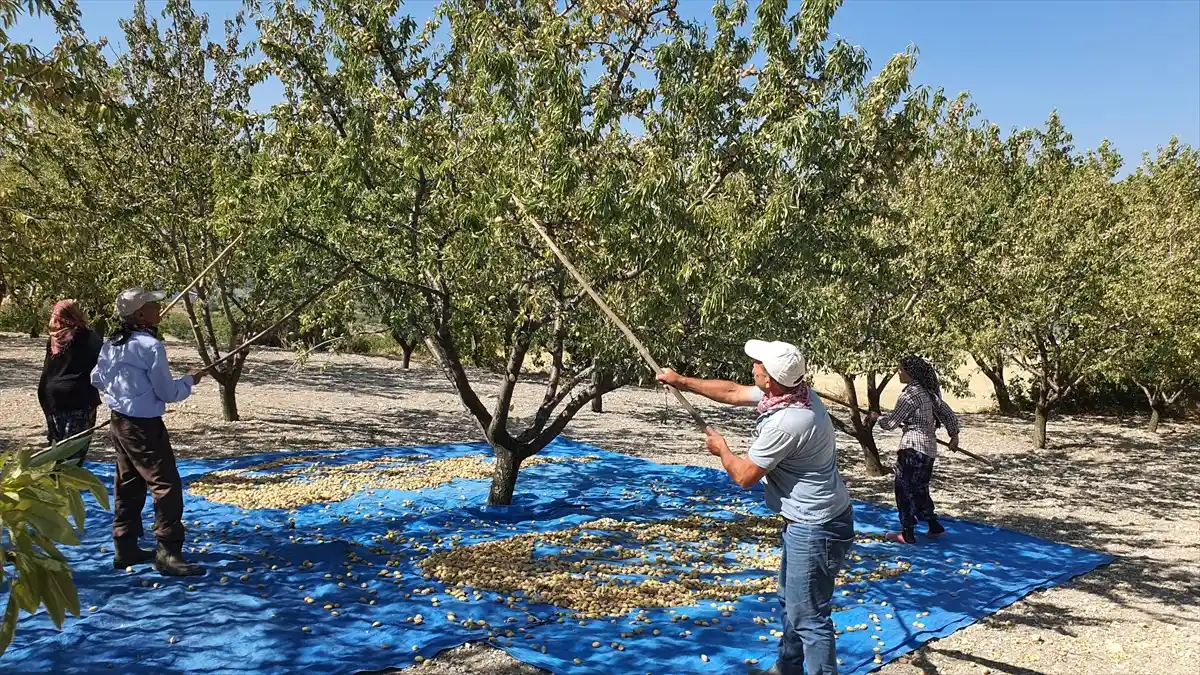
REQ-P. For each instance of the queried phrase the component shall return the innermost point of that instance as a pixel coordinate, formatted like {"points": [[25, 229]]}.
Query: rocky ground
{"points": [[1103, 484]]}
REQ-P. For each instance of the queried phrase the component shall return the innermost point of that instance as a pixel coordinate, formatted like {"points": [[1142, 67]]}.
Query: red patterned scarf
{"points": [[65, 319], [796, 399]]}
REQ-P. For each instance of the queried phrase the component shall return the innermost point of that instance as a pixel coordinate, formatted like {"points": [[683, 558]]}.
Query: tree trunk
{"points": [[407, 348], [504, 477], [598, 402], [871, 455], [1003, 398], [1040, 416], [229, 408], [860, 427], [1155, 416], [995, 374]]}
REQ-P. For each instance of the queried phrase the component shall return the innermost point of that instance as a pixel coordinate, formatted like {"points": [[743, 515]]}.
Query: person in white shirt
{"points": [[794, 455], [135, 382]]}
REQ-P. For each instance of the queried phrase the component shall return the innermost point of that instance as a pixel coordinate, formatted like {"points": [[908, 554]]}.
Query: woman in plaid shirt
{"points": [[920, 410]]}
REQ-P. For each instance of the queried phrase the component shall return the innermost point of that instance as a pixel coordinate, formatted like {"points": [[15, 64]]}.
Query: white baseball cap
{"points": [[131, 300], [782, 361]]}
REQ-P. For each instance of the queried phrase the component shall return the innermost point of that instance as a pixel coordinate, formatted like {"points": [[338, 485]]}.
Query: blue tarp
{"points": [[245, 617]]}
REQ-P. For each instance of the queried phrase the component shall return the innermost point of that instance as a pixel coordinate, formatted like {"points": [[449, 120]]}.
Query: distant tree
{"points": [[1058, 269], [1161, 352]]}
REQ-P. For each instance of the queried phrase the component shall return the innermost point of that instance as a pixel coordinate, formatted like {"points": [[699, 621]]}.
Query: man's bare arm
{"points": [[721, 391]]}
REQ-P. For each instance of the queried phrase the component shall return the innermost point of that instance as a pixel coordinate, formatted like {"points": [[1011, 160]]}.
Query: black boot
{"points": [[773, 671], [169, 561], [935, 528], [129, 554]]}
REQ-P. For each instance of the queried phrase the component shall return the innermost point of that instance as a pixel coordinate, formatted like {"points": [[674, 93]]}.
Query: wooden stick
{"points": [[201, 275], [845, 404], [637, 344]]}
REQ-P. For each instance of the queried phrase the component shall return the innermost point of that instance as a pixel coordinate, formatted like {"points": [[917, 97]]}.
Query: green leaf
{"points": [[64, 591], [59, 451], [8, 626], [51, 524], [83, 479], [78, 511], [52, 598], [23, 591]]}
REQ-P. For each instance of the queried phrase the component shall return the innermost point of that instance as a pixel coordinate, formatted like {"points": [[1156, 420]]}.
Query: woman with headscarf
{"points": [[65, 390], [920, 410]]}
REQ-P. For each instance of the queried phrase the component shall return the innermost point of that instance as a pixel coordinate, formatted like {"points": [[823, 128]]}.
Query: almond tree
{"points": [[46, 219], [962, 196], [1161, 352], [1058, 270], [175, 184], [403, 153], [816, 253]]}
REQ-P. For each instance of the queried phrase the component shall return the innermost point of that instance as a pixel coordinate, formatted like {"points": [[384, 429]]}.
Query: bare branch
{"points": [[583, 398], [512, 373], [443, 349]]}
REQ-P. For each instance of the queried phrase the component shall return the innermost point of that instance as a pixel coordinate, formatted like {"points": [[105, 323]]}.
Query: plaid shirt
{"points": [[918, 412]]}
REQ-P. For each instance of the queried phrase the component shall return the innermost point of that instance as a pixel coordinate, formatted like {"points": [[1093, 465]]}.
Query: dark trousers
{"points": [[63, 424], [913, 473], [145, 460]]}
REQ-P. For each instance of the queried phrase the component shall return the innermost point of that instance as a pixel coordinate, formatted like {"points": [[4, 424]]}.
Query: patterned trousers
{"points": [[63, 424], [913, 471]]}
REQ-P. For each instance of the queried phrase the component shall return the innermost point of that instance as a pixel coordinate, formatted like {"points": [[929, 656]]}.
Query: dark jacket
{"points": [[66, 378]]}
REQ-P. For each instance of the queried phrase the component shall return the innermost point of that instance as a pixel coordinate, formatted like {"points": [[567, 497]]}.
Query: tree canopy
{"points": [[745, 178]]}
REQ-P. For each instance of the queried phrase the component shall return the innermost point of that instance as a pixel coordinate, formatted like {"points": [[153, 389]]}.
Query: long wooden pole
{"points": [[846, 404], [248, 343], [612, 316], [201, 275]]}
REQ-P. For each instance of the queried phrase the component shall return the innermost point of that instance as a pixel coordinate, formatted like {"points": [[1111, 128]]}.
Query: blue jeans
{"points": [[812, 556]]}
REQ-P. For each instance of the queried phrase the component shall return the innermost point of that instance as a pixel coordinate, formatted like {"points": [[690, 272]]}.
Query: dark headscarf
{"points": [[126, 328], [922, 373], [924, 376]]}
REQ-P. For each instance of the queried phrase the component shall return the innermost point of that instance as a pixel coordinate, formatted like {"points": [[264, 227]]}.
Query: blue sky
{"points": [[1125, 70]]}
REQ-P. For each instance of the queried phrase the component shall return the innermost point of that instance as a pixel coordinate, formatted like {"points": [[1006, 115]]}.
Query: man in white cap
{"points": [[135, 382], [794, 455]]}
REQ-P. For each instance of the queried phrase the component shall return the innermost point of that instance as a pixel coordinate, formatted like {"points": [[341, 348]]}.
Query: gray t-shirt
{"points": [[796, 446]]}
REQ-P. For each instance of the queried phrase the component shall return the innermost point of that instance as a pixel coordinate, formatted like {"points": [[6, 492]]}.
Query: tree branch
{"points": [[512, 373], [583, 398], [549, 405], [443, 349], [361, 268]]}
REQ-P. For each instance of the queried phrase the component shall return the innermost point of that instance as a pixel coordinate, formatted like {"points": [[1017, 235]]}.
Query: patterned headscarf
{"points": [[65, 319], [922, 373], [797, 398]]}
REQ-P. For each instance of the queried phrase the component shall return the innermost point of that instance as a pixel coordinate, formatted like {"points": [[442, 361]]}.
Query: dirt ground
{"points": [[1103, 484]]}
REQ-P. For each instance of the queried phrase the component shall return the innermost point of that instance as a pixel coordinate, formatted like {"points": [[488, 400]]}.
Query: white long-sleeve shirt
{"points": [[134, 378]]}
